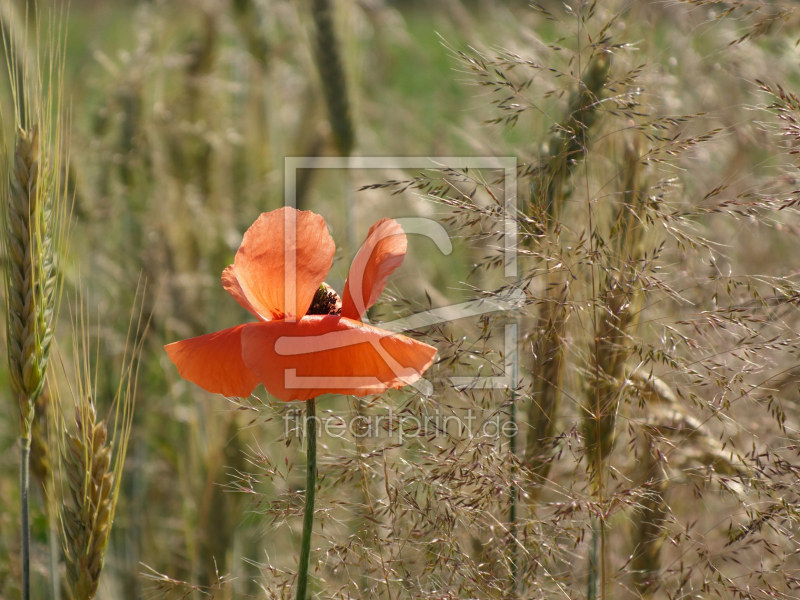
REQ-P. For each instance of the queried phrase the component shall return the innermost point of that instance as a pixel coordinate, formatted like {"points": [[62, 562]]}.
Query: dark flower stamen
{"points": [[326, 302]]}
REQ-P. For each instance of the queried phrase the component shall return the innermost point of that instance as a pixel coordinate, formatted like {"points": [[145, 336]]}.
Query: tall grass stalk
{"points": [[513, 490], [248, 18]]}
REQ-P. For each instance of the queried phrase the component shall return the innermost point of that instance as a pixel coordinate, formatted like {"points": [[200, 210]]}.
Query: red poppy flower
{"points": [[306, 342]]}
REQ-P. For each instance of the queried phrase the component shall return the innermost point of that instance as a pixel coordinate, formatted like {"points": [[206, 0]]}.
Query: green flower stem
{"points": [[311, 489], [24, 487], [512, 501]]}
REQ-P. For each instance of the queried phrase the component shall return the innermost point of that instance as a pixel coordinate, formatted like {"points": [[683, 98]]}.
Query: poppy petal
{"points": [[214, 362], [232, 286], [284, 257], [381, 254], [328, 354]]}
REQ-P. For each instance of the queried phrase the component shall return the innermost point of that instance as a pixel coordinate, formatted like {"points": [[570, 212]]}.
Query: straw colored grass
{"points": [[87, 517], [92, 455]]}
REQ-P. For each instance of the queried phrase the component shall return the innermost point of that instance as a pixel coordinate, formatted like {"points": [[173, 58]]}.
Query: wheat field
{"points": [[603, 216]]}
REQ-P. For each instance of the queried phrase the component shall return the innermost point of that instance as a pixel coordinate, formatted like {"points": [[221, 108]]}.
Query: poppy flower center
{"points": [[326, 302]]}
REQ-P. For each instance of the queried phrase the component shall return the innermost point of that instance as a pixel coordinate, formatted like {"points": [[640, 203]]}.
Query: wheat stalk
{"points": [[561, 155], [91, 461], [546, 393], [30, 277], [618, 306], [34, 241], [87, 519], [41, 467], [34, 217], [615, 311], [566, 147]]}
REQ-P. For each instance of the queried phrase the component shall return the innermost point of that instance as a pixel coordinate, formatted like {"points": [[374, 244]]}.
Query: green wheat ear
{"points": [[30, 276], [33, 225], [34, 217], [91, 456], [86, 519]]}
